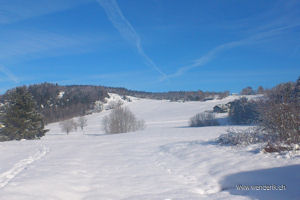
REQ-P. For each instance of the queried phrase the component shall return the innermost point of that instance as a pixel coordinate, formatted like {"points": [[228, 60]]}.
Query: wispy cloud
{"points": [[19, 45], [8, 74], [263, 33], [17, 10], [117, 18]]}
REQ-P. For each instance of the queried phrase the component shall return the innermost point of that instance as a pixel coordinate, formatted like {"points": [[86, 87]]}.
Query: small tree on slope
{"points": [[68, 126], [21, 120], [82, 122]]}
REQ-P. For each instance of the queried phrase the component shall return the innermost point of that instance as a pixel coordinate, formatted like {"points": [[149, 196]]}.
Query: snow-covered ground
{"points": [[166, 161]]}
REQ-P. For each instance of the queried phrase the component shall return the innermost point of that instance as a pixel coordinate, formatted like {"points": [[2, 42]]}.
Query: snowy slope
{"points": [[166, 161]]}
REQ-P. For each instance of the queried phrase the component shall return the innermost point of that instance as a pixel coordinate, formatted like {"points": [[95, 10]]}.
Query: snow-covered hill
{"points": [[166, 161]]}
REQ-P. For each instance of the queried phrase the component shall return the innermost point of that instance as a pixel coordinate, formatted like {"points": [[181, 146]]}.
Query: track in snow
{"points": [[7, 176]]}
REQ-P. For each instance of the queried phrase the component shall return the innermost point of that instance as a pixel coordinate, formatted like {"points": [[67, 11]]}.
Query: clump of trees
{"points": [[172, 95], [250, 91], [70, 125], [58, 103], [114, 104], [277, 115], [247, 91], [20, 119], [244, 111], [121, 120], [280, 112], [203, 119]]}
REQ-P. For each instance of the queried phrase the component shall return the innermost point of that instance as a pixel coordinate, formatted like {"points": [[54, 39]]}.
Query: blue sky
{"points": [[151, 45]]}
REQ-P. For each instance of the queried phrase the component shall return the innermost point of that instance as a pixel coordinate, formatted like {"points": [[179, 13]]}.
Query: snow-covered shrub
{"points": [[243, 137], [121, 120], [68, 125], [203, 119]]}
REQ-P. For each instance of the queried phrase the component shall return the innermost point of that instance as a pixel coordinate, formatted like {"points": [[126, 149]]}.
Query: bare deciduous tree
{"points": [[121, 120], [68, 125], [82, 122]]}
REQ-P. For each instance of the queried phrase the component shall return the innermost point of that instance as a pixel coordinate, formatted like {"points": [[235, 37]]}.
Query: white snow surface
{"points": [[166, 161]]}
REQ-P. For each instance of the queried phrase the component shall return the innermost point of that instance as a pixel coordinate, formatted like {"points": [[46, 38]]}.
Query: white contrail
{"points": [[119, 21], [213, 53], [10, 75], [205, 58]]}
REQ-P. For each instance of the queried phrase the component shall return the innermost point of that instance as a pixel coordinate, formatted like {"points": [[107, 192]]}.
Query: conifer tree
{"points": [[21, 120]]}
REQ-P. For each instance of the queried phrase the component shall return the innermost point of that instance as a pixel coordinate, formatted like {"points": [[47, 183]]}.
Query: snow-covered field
{"points": [[166, 161]]}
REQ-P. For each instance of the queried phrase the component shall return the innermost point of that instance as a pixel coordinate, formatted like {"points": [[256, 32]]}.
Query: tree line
{"points": [[171, 95], [57, 103], [25, 110]]}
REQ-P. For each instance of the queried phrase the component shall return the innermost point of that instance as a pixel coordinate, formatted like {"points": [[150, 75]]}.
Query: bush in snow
{"points": [[203, 119], [68, 125], [121, 120], [243, 137]]}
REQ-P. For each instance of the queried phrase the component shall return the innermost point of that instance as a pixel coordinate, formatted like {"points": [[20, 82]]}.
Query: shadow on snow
{"points": [[286, 178]]}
